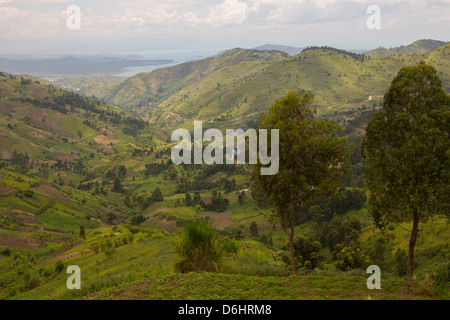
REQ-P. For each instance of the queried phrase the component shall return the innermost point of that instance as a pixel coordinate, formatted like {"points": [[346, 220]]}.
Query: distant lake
{"points": [[131, 71], [179, 56]]}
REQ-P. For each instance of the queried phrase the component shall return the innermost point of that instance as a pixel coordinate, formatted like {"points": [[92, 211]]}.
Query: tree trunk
{"points": [[412, 242], [291, 250]]}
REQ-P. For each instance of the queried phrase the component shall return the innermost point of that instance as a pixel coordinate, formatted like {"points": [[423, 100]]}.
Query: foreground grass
{"points": [[202, 285]]}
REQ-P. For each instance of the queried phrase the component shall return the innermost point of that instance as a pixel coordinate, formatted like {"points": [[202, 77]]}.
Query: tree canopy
{"points": [[312, 160], [407, 152]]}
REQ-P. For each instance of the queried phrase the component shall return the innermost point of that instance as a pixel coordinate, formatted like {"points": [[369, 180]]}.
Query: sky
{"points": [[117, 26]]}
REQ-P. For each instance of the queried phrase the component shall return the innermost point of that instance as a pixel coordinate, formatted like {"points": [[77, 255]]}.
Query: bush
{"points": [[199, 247], [253, 229], [379, 248], [442, 280], [137, 220], [401, 259], [229, 245], [306, 251], [59, 266], [5, 252], [351, 257], [109, 253], [266, 239]]}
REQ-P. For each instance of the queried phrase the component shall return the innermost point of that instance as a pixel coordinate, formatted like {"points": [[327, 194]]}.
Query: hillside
{"points": [[417, 47], [88, 183], [241, 91], [154, 87]]}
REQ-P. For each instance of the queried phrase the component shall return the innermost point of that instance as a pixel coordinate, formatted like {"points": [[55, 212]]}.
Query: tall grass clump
{"points": [[199, 246]]}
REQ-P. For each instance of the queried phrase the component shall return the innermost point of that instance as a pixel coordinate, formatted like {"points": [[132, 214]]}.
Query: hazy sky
{"points": [[126, 26]]}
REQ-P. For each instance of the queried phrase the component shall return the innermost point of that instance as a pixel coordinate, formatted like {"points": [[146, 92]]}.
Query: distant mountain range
{"points": [[293, 51]]}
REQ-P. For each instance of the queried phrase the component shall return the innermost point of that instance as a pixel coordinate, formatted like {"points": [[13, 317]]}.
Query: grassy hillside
{"points": [[156, 86], [70, 165], [417, 47], [241, 91], [124, 262]]}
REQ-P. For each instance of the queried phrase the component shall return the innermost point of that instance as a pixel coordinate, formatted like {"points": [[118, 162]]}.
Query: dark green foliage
{"points": [[266, 239], [307, 252], [59, 266], [442, 280], [254, 229], [406, 149], [234, 232], [312, 161], [111, 217], [157, 195], [352, 257], [229, 245], [117, 186], [188, 200], [241, 197], [137, 220], [379, 248], [82, 232], [324, 208], [218, 202], [401, 259], [338, 230]]}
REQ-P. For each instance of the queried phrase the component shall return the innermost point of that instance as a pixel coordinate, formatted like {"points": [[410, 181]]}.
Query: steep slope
{"points": [[417, 47], [239, 84], [55, 147], [336, 79], [156, 86]]}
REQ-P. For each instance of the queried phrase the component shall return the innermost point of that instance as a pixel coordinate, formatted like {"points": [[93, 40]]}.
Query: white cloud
{"points": [[227, 13], [253, 19]]}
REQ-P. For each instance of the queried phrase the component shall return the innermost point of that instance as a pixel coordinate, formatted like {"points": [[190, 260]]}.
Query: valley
{"points": [[87, 179]]}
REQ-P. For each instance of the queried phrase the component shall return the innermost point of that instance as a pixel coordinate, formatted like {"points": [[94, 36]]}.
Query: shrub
{"points": [[109, 252], [59, 266], [199, 247], [401, 259], [5, 252], [306, 251], [379, 248], [253, 229], [442, 280], [352, 257], [229, 245]]}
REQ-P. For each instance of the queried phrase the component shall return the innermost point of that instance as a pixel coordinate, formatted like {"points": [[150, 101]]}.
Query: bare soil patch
{"points": [[219, 220], [105, 141], [50, 190]]}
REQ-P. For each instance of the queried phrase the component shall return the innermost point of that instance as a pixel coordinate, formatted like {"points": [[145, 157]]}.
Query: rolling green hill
{"points": [[417, 47], [68, 161], [156, 86], [241, 91]]}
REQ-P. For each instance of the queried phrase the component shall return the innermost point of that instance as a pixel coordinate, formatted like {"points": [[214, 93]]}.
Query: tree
{"points": [[307, 252], [312, 161], [188, 199], [157, 195], [122, 172], [253, 229], [407, 152], [82, 232], [241, 197], [117, 185], [137, 220]]}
